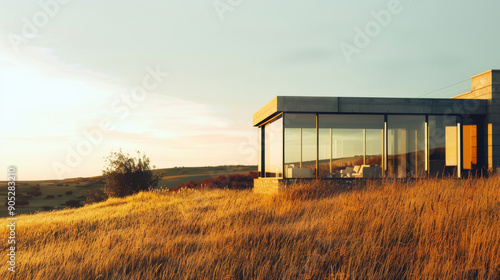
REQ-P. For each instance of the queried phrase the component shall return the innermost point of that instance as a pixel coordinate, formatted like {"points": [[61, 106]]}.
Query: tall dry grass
{"points": [[429, 229]]}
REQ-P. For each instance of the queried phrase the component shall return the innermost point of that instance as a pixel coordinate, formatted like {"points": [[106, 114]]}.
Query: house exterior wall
{"points": [[480, 107], [487, 86]]}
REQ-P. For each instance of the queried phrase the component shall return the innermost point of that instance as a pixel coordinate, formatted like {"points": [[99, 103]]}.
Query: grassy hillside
{"points": [[435, 229], [53, 194]]}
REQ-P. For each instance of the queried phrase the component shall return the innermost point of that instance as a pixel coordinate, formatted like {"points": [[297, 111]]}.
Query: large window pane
{"points": [[351, 145], [300, 145], [309, 152], [443, 152], [325, 151], [406, 146], [274, 148], [374, 146]]}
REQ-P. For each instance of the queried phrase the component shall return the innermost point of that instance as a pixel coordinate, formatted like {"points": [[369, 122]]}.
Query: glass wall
{"points": [[353, 145], [350, 141], [406, 146], [274, 148], [300, 145], [443, 152], [375, 146]]}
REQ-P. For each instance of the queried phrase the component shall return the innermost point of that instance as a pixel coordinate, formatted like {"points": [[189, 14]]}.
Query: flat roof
{"points": [[369, 105]]}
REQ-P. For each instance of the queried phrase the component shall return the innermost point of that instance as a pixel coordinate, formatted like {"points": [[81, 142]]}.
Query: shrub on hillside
{"points": [[188, 185], [49, 197], [73, 203], [253, 174], [69, 193], [126, 175], [34, 193], [96, 195]]}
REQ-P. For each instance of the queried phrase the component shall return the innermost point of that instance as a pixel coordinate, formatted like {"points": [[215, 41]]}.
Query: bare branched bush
{"points": [[126, 175]]}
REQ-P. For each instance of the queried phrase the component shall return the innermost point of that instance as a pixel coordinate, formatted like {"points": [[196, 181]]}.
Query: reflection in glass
{"points": [[406, 146], [347, 141], [374, 146], [309, 148], [347, 144], [274, 148], [300, 145], [443, 156], [325, 150]]}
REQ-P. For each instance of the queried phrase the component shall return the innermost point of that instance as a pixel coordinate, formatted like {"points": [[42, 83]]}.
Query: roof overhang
{"points": [[368, 105]]}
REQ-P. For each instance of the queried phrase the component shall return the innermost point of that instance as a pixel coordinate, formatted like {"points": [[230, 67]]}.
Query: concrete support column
{"points": [[494, 121]]}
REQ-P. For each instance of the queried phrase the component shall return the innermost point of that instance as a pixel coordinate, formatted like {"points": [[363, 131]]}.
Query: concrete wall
{"points": [[487, 86], [494, 117], [411, 106], [266, 185]]}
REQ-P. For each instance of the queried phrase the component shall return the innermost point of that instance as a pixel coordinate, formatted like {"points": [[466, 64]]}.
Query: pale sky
{"points": [[70, 71]]}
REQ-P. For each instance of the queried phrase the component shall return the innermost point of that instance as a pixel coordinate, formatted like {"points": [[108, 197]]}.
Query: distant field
{"points": [[423, 229], [48, 195], [176, 176], [53, 194]]}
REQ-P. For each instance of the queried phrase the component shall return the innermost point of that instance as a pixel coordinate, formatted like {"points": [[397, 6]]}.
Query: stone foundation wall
{"points": [[273, 186], [266, 185]]}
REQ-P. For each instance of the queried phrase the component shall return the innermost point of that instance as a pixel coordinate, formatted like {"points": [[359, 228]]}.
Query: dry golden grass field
{"points": [[427, 229]]}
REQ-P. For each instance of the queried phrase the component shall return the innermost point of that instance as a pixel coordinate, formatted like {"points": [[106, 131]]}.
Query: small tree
{"points": [[126, 175]]}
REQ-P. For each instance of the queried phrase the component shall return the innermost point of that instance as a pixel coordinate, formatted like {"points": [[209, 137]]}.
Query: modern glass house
{"points": [[344, 137]]}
